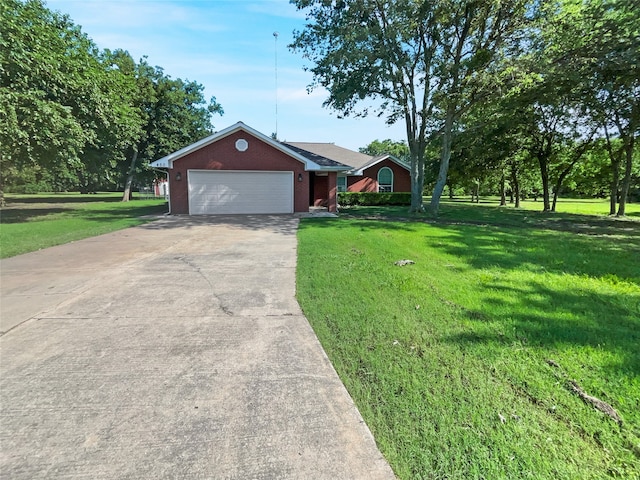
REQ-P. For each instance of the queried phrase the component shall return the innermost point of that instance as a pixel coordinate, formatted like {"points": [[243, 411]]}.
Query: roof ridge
{"points": [[317, 143]]}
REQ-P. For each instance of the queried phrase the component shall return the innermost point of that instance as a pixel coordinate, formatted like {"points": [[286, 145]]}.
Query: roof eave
{"points": [[333, 169], [167, 161], [376, 160]]}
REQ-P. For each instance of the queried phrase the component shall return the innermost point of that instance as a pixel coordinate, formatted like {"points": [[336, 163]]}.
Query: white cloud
{"points": [[228, 47]]}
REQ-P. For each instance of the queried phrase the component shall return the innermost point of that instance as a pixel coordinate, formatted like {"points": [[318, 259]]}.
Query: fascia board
{"points": [[167, 161], [375, 161], [333, 169]]}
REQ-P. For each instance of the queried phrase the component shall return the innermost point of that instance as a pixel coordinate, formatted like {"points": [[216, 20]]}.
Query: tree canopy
{"points": [[400, 150], [552, 78], [72, 116], [426, 63]]}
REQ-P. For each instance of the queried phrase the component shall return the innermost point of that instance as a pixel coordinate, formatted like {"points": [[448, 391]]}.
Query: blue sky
{"points": [[228, 46]]}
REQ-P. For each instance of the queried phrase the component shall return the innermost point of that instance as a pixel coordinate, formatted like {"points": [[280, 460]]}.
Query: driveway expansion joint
{"points": [[138, 370]]}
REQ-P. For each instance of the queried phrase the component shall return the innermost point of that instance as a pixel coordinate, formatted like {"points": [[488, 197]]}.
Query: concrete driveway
{"points": [[171, 350]]}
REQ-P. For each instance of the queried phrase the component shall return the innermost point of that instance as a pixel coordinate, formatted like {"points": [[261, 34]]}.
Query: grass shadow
{"points": [[544, 251], [61, 198], [110, 214], [528, 243], [556, 318], [21, 215], [463, 213], [511, 217], [510, 239], [362, 223]]}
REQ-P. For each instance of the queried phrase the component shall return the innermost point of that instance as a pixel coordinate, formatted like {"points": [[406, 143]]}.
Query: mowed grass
{"points": [[566, 207], [592, 212], [583, 206], [32, 222], [462, 363]]}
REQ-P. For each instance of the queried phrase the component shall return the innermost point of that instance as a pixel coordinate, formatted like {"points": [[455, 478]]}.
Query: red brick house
{"points": [[383, 173], [240, 170]]}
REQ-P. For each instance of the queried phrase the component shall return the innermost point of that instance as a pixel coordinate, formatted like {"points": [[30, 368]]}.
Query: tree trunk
{"points": [[3, 158], [126, 196], [450, 193], [515, 185], [544, 175], [626, 181], [445, 157], [417, 183], [503, 195], [554, 201], [561, 178], [82, 182], [615, 173], [577, 155], [615, 182]]}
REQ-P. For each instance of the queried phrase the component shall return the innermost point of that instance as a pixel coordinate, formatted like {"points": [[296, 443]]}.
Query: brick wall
{"points": [[222, 155], [368, 182]]}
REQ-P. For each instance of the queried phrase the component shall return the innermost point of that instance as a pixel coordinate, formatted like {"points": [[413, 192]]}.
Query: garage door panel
{"points": [[225, 192]]}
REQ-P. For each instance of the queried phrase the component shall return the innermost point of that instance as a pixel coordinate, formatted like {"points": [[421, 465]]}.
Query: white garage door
{"points": [[217, 191]]}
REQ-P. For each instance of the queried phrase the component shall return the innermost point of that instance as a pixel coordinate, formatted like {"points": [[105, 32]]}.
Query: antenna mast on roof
{"points": [[275, 36]]}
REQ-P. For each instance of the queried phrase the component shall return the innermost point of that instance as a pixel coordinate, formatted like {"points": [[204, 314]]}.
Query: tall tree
{"points": [[612, 69], [73, 116], [50, 106], [175, 114], [427, 62], [400, 150], [594, 46], [124, 125]]}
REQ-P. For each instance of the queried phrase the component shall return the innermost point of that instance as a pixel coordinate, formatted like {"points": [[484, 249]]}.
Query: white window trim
{"points": [[390, 187], [338, 184]]}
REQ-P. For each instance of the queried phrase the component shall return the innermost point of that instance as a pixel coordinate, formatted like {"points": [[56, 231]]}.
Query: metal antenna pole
{"points": [[275, 35]]}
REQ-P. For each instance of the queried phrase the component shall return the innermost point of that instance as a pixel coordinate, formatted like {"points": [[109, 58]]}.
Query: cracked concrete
{"points": [[171, 350]]}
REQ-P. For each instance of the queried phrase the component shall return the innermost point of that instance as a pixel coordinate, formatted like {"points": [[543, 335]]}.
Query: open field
{"points": [[583, 206], [32, 222], [566, 208], [480, 360]]}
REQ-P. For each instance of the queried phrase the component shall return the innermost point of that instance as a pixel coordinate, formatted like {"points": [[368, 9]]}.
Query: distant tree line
{"points": [[536, 96], [74, 117], [492, 165]]}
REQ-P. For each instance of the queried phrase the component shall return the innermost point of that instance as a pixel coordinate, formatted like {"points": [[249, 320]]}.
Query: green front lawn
{"points": [[461, 364], [32, 222]]}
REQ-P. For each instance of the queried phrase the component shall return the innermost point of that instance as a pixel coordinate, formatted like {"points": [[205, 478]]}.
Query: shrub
{"points": [[347, 199], [29, 188]]}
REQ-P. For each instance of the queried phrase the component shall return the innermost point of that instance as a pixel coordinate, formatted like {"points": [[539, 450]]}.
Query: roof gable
{"points": [[168, 160], [375, 161], [314, 156]]}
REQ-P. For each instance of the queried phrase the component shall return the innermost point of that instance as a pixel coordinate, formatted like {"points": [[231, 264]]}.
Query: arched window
{"points": [[385, 180]]}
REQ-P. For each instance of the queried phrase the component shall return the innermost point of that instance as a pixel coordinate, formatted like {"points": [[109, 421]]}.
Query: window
{"points": [[385, 180], [342, 184]]}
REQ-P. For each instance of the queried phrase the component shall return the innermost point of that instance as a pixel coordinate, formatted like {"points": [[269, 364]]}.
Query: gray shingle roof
{"points": [[314, 157], [330, 152]]}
